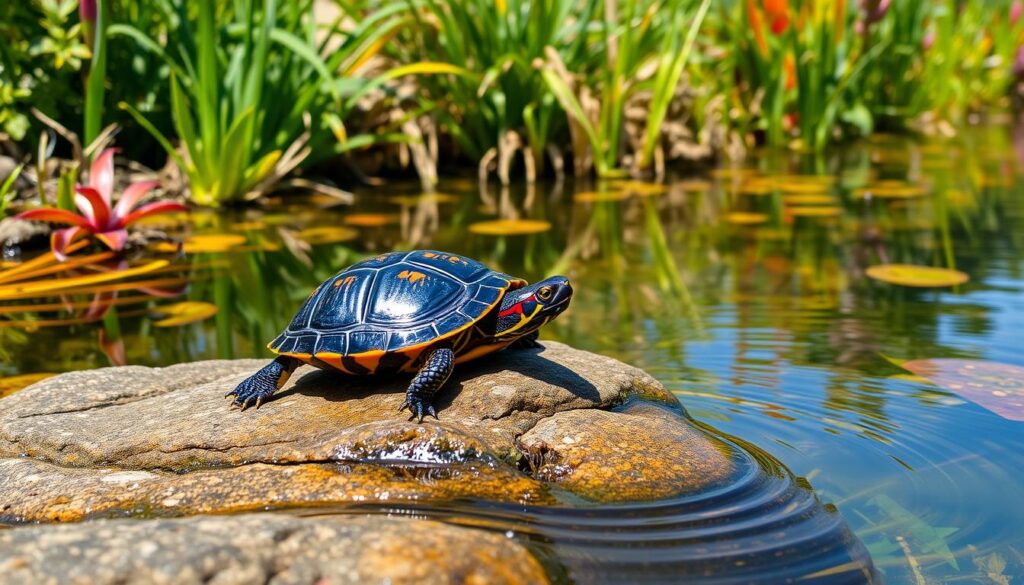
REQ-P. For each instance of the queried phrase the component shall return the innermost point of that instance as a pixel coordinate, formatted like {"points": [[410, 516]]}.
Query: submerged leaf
{"points": [[916, 276], [184, 312], [994, 386], [510, 227]]}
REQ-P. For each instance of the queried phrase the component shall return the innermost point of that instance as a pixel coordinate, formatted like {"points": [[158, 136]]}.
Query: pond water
{"points": [[744, 289]]}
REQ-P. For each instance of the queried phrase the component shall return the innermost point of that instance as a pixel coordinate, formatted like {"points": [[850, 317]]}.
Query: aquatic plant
{"points": [[7, 192], [252, 100], [98, 216]]}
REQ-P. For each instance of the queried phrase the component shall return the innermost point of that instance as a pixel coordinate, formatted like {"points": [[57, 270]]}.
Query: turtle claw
{"points": [[418, 408]]}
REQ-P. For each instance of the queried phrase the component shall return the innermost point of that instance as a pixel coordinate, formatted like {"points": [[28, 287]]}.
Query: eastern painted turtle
{"points": [[422, 311]]}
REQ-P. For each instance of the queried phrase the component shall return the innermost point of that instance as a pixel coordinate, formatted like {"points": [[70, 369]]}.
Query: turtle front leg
{"points": [[428, 381], [261, 385]]}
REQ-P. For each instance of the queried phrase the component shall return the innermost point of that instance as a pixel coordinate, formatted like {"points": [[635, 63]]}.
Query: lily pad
{"points": [[889, 190], [413, 200], [641, 188], [815, 211], [372, 219], [917, 276], [745, 218], [510, 227], [692, 186], [994, 386], [808, 199], [594, 196], [213, 243], [327, 234], [184, 312], [12, 384]]}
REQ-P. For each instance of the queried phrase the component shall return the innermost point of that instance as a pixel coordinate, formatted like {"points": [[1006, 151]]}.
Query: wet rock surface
{"points": [[330, 439], [262, 548]]}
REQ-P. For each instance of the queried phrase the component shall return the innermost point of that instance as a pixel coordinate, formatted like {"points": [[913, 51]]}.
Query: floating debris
{"points": [[917, 276], [809, 199]]}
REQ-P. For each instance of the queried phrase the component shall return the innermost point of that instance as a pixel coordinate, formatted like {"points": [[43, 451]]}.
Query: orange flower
{"points": [[754, 16], [777, 12], [789, 68]]}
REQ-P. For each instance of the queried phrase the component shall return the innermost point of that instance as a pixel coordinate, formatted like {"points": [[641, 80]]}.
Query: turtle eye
{"points": [[544, 293]]}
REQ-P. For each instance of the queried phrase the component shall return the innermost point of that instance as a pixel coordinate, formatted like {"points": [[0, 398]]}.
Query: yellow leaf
{"points": [[12, 291], [213, 243], [12, 384], [371, 219], [327, 234], [184, 312], [510, 227], [745, 218]]}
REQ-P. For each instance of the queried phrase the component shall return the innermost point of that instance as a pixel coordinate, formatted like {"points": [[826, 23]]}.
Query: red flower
{"points": [[777, 12], [98, 218]]}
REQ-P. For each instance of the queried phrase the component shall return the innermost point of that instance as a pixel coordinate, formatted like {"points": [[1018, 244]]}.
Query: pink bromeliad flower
{"points": [[99, 218]]}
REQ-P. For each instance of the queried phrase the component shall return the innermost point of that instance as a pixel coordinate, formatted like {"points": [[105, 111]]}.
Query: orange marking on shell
{"points": [[345, 282], [429, 255], [412, 276]]}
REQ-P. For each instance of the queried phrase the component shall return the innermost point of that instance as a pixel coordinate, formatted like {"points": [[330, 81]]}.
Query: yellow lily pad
{"points": [[212, 243], [641, 188], [328, 234], [184, 312], [510, 227], [595, 196], [413, 200], [745, 218], [732, 172], [12, 384], [994, 386], [808, 199], [249, 226], [759, 188], [916, 276], [889, 190], [371, 219], [692, 186], [815, 211]]}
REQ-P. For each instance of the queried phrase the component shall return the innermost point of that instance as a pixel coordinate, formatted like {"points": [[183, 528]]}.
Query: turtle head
{"points": [[524, 310]]}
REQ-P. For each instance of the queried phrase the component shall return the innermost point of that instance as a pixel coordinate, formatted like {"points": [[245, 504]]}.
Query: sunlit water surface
{"points": [[760, 318]]}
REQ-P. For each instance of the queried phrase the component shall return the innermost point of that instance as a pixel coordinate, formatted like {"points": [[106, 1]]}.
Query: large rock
{"points": [[163, 440], [262, 548]]}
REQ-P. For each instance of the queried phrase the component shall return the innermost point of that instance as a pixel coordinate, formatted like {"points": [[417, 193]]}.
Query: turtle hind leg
{"points": [[261, 385], [528, 341], [434, 373]]}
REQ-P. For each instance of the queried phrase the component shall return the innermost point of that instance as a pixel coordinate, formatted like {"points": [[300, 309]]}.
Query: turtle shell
{"points": [[382, 313]]}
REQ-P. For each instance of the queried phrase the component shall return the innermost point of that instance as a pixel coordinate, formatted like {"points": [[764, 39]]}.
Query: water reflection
{"points": [[758, 313]]}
